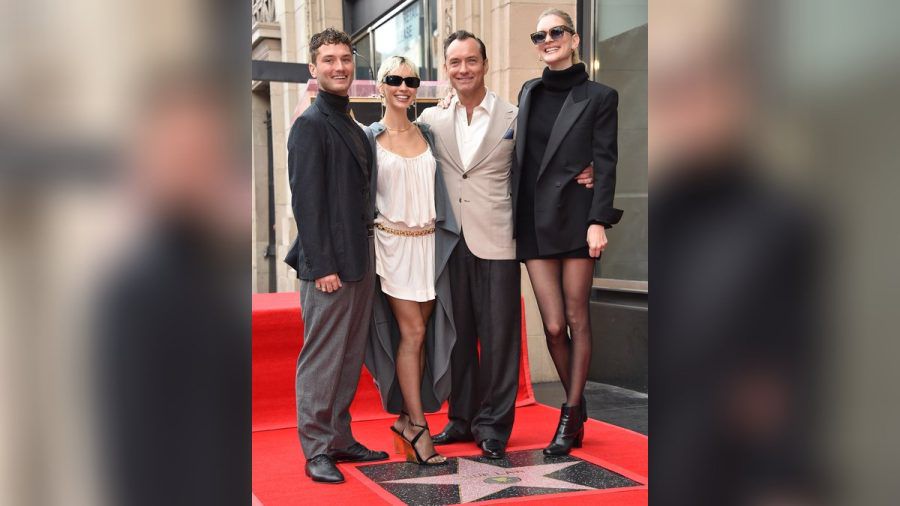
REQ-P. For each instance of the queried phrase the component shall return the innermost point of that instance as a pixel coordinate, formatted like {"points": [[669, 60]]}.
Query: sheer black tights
{"points": [[562, 288]]}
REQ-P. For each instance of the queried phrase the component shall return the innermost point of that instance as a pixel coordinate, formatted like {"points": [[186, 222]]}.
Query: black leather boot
{"points": [[584, 416], [569, 432]]}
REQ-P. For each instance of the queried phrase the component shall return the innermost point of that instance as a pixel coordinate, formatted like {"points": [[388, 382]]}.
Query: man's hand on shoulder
{"points": [[445, 102], [426, 116], [586, 177], [329, 283]]}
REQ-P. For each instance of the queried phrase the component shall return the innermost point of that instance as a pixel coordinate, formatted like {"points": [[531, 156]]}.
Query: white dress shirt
{"points": [[469, 135]]}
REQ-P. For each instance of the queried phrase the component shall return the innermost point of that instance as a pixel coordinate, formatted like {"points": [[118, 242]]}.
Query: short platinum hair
{"points": [[393, 63]]}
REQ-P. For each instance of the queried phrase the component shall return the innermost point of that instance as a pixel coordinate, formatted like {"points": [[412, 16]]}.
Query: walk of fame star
{"points": [[477, 480], [473, 479]]}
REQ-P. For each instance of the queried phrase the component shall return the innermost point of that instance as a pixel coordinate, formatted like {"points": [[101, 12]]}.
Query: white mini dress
{"points": [[405, 202]]}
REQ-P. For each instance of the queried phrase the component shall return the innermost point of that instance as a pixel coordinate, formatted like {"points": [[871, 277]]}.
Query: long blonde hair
{"points": [[568, 22]]}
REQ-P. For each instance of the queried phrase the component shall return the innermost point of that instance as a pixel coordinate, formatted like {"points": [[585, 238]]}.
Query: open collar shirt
{"points": [[469, 135]]}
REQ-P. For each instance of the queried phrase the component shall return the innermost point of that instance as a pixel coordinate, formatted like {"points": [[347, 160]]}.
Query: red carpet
{"points": [[278, 477], [277, 338]]}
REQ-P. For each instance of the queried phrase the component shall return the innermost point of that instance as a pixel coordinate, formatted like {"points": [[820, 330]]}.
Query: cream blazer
{"points": [[481, 197]]}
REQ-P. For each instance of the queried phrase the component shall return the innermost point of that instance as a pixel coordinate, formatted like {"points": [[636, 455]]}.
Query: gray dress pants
{"points": [[335, 330]]}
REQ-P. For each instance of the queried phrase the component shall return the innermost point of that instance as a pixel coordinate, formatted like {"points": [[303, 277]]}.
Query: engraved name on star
{"points": [[477, 480]]}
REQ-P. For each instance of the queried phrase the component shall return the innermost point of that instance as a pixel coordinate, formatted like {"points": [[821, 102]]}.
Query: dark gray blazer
{"points": [[441, 333], [329, 197], [585, 132]]}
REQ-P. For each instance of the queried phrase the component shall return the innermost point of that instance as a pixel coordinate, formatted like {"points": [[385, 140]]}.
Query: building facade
{"points": [[614, 45]]}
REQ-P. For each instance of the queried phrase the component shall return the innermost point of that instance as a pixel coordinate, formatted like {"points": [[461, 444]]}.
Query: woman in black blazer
{"points": [[565, 123]]}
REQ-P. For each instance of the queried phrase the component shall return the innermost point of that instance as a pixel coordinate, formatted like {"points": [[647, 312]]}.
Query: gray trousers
{"points": [[335, 330]]}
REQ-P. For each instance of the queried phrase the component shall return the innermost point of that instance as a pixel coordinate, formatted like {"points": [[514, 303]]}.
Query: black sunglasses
{"points": [[412, 82], [556, 33]]}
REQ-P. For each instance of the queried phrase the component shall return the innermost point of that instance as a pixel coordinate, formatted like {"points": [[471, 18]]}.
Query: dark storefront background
{"points": [[615, 52], [381, 29]]}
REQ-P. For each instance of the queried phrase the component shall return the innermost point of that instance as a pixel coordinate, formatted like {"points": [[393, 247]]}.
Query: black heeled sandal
{"points": [[399, 440], [412, 453]]}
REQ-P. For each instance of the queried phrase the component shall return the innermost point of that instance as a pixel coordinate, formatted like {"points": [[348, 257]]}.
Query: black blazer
{"points": [[585, 131], [329, 196]]}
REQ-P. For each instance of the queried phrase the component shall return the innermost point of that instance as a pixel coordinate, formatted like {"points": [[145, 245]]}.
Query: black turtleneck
{"points": [[565, 79], [339, 103], [547, 99], [340, 106]]}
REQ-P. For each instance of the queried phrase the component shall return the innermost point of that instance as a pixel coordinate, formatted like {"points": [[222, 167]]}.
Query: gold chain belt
{"points": [[405, 233]]}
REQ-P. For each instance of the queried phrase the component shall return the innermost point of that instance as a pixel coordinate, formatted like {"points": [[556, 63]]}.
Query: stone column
{"points": [[266, 45]]}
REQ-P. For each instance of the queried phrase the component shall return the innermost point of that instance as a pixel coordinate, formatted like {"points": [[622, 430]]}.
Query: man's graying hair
{"points": [[463, 35], [327, 36]]}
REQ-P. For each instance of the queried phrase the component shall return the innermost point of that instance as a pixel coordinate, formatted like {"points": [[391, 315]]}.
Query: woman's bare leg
{"points": [[410, 319]]}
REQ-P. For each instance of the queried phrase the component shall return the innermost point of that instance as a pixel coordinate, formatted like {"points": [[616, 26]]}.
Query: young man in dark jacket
{"points": [[330, 166]]}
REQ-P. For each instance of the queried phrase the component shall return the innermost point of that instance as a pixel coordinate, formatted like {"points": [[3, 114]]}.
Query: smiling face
{"points": [[557, 54], [465, 66], [333, 68], [402, 96]]}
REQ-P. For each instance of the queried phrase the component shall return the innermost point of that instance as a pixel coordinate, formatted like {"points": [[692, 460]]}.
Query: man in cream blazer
{"points": [[474, 145]]}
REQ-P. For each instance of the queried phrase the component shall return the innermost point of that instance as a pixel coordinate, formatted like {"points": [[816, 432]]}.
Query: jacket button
{"points": [[465, 176], [460, 200]]}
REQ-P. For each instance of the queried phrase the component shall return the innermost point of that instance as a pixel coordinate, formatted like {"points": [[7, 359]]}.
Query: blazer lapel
{"points": [[446, 135], [499, 123], [571, 110], [344, 135], [522, 122]]}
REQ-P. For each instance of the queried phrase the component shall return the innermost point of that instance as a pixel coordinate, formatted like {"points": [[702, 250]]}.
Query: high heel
{"points": [[412, 453], [399, 440], [399, 445], [569, 432]]}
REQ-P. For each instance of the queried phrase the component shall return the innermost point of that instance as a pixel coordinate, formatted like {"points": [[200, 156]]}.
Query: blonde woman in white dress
{"points": [[415, 231]]}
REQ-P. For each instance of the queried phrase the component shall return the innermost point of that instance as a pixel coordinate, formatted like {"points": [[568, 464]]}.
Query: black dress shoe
{"points": [[493, 448], [321, 468], [357, 453], [450, 436]]}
